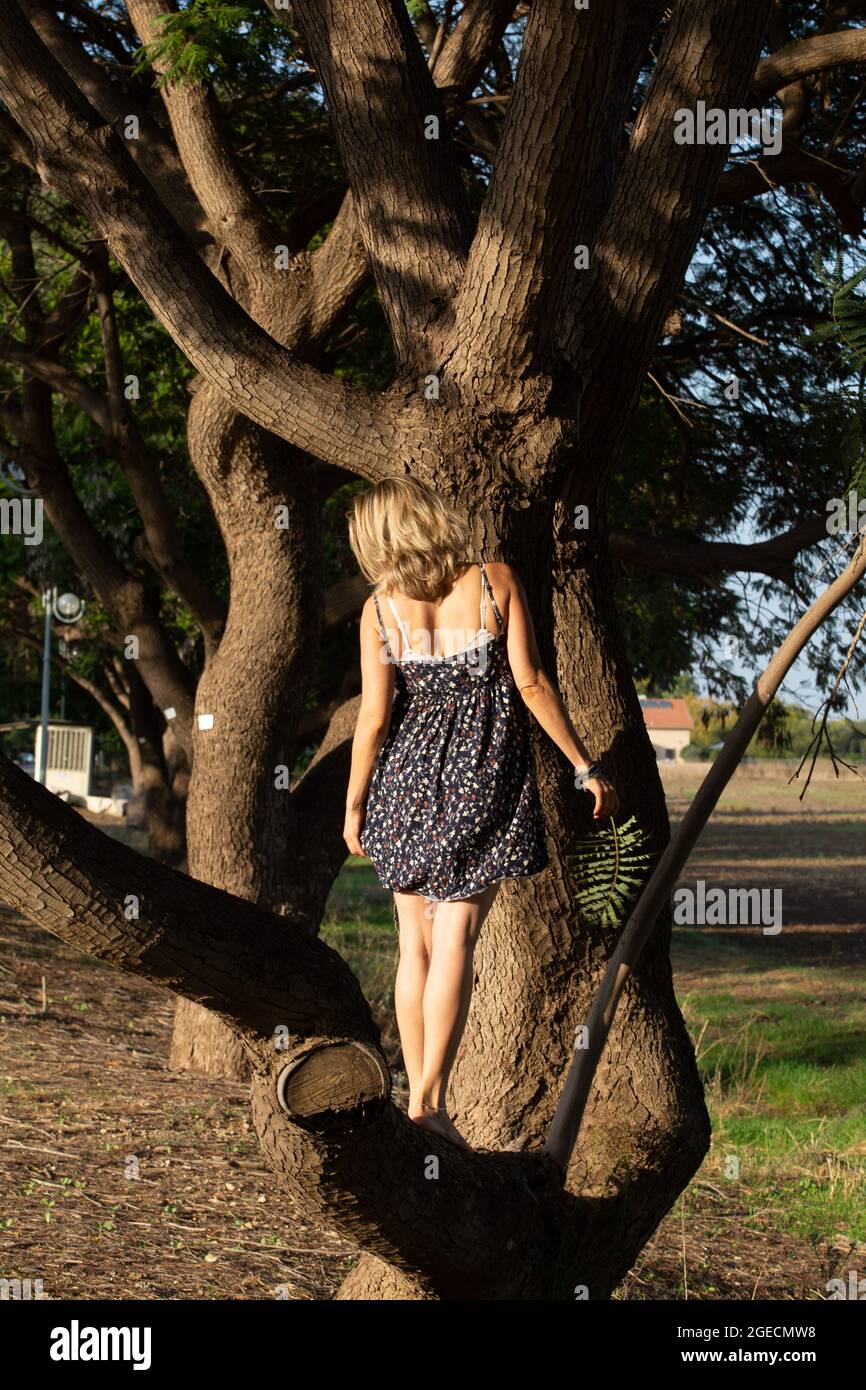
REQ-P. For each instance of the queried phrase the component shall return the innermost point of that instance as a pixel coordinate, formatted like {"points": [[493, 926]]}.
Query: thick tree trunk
{"points": [[201, 1042], [163, 796], [251, 694], [320, 1098], [164, 814]]}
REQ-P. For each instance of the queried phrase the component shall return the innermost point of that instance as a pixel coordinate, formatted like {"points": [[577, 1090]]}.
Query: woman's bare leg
{"points": [[415, 915], [447, 995]]}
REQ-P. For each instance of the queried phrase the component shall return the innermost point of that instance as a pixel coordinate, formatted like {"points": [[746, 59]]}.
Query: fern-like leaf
{"points": [[609, 869], [848, 310]]}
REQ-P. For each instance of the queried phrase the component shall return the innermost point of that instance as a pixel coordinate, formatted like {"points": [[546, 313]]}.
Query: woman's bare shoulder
{"points": [[498, 572], [368, 612]]}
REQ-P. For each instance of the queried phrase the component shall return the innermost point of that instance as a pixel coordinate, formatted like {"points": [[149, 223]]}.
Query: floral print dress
{"points": [[453, 805]]}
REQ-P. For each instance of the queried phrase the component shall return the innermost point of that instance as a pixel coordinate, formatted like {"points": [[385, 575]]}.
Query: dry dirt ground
{"points": [[120, 1179]]}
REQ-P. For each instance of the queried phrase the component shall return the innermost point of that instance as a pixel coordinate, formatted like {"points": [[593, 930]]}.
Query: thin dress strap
{"points": [[382, 633], [487, 590], [406, 645]]}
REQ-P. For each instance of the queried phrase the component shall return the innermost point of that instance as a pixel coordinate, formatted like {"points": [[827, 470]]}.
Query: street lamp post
{"points": [[68, 608], [48, 604]]}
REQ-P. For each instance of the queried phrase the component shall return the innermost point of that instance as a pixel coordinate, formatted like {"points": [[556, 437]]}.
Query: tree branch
{"points": [[87, 162], [112, 416], [408, 196], [68, 313], [237, 218], [338, 270], [61, 379], [115, 102], [796, 165], [773, 557], [320, 1089], [164, 540], [807, 56], [123, 595], [339, 266], [552, 177], [653, 223], [468, 48]]}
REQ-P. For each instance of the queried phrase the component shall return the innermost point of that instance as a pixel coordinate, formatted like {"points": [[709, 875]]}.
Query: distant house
{"points": [[670, 726]]}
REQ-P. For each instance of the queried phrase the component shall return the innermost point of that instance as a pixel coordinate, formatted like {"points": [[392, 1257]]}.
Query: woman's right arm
{"points": [[539, 694], [371, 728]]}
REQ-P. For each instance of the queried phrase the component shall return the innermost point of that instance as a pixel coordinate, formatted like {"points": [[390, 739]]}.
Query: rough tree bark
{"points": [[539, 366], [253, 689]]}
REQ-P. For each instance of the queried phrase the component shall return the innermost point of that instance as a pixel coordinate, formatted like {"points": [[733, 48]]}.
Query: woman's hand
{"points": [[606, 799], [352, 827]]}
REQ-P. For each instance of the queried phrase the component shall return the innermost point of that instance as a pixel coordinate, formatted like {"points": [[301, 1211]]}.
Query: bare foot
{"points": [[437, 1122]]}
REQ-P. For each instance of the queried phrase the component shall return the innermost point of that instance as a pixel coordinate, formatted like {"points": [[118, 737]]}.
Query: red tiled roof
{"points": [[666, 714]]}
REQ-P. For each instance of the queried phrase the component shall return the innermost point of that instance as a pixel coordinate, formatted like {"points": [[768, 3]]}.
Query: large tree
{"points": [[524, 307]]}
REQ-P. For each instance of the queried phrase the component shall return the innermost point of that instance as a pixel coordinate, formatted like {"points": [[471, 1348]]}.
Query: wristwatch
{"points": [[581, 778]]}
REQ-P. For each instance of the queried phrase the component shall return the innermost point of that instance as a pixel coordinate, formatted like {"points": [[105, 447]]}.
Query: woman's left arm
{"points": [[374, 720]]}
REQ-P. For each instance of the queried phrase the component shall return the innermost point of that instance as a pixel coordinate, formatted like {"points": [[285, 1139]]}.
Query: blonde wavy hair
{"points": [[405, 537]]}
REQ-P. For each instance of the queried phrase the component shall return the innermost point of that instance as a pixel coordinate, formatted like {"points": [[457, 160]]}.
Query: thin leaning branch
{"points": [[637, 930]]}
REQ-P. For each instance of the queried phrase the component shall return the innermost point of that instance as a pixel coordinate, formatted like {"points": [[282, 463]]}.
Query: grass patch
{"points": [[785, 1084], [359, 923]]}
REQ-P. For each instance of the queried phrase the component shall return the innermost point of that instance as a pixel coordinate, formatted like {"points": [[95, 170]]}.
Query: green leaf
{"points": [[609, 869], [848, 311]]}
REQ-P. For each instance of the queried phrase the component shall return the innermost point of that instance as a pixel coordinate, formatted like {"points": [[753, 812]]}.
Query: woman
{"points": [[442, 795]]}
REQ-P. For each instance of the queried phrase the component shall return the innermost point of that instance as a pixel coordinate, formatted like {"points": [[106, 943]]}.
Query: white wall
{"points": [[663, 739], [70, 757]]}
